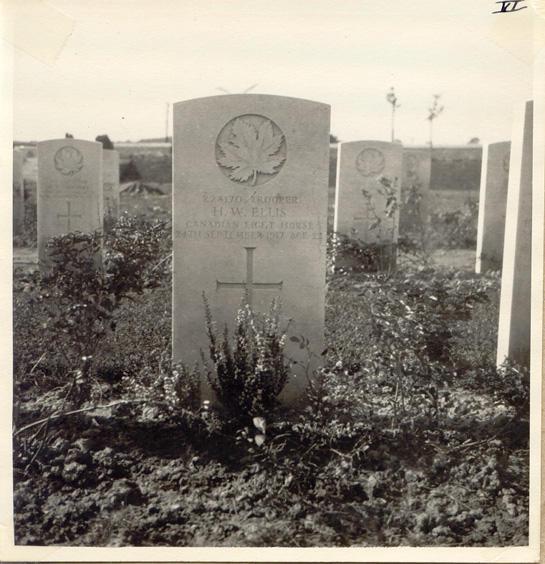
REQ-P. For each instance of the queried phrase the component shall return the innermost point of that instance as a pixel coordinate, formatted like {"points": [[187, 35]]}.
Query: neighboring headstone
{"points": [[492, 204], [69, 189], [515, 309], [250, 176], [415, 188], [368, 196], [18, 193], [110, 173]]}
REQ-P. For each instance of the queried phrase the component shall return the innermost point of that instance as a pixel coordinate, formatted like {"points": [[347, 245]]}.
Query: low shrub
{"points": [[74, 302], [249, 371]]}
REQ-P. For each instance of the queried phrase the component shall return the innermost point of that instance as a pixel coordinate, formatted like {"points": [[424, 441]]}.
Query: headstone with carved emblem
{"points": [[516, 281], [492, 206], [368, 198], [250, 178], [110, 172], [69, 189], [18, 193]]}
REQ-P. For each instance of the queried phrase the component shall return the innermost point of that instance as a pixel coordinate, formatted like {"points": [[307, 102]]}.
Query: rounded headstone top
{"points": [[253, 96]]}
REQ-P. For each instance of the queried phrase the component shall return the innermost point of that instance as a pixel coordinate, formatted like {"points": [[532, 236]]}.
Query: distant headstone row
{"points": [[504, 238], [250, 191]]}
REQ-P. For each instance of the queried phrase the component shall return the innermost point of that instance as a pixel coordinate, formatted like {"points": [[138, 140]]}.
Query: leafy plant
{"points": [[248, 373], [455, 229], [368, 256], [169, 390], [412, 329], [352, 254], [90, 277]]}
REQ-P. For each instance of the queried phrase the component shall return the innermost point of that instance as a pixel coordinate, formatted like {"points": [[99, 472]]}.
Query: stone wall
{"points": [[456, 168]]}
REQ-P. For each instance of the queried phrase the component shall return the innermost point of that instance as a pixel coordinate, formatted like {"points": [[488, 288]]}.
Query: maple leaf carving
{"points": [[251, 150]]}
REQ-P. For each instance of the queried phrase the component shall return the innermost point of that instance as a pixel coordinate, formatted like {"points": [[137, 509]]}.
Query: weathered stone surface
{"points": [[250, 213], [492, 205], [69, 189], [368, 194]]}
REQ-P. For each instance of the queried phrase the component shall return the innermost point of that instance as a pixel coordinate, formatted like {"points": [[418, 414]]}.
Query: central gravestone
{"points": [[69, 189], [250, 176], [368, 197]]}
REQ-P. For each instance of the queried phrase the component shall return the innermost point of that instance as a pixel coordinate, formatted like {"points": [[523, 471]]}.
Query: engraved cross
{"points": [[249, 285], [68, 216]]}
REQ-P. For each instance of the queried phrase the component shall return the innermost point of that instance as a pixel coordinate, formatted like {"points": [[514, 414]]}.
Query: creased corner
{"points": [[35, 27]]}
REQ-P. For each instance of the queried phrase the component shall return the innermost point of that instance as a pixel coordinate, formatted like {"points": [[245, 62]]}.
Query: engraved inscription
{"points": [[68, 160], [72, 186], [370, 162], [251, 219], [250, 150]]}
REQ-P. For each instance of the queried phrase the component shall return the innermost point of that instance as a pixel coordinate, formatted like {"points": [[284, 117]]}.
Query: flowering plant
{"points": [[248, 373]]}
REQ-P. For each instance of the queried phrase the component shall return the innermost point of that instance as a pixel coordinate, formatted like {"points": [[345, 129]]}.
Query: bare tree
{"points": [[433, 113], [391, 98]]}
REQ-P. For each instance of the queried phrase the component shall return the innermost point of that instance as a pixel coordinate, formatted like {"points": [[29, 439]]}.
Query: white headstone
{"points": [[368, 192], [250, 179], [18, 193], [492, 203], [69, 189], [110, 173], [515, 310]]}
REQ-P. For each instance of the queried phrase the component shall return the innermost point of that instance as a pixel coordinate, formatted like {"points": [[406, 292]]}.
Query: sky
{"points": [[125, 60]]}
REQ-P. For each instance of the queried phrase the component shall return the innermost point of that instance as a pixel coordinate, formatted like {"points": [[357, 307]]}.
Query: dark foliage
{"points": [[408, 435], [248, 374]]}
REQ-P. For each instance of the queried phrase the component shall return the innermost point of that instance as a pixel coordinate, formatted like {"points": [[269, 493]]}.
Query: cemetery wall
{"points": [[148, 162], [456, 168]]}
